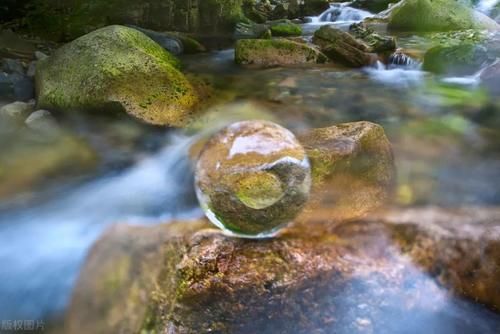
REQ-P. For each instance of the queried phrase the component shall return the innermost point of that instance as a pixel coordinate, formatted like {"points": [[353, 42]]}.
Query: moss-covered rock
{"points": [[285, 29], [437, 15], [462, 59], [275, 52], [376, 42], [116, 68], [317, 276]]}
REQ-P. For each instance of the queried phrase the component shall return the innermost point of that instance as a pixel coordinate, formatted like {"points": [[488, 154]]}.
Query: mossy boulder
{"points": [[276, 52], [377, 274], [116, 68], [461, 59], [285, 29], [437, 15]]}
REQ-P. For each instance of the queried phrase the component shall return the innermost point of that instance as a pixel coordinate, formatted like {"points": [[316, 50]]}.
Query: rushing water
{"points": [[486, 6], [43, 247], [445, 151], [340, 14]]}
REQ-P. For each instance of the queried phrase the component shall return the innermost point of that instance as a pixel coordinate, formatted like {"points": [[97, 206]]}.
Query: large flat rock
{"points": [[399, 271]]}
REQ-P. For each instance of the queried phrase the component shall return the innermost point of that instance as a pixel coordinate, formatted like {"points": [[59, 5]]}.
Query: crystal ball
{"points": [[252, 178]]}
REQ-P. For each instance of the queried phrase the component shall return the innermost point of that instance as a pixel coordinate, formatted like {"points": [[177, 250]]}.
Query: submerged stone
{"points": [[252, 178]]}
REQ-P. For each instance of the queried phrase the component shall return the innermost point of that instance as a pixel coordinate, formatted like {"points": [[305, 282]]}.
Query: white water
{"points": [[339, 14], [402, 77], [43, 247], [486, 6]]}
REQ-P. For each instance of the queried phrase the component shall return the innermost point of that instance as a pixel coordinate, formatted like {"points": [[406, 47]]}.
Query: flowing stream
{"points": [[43, 247], [442, 140]]}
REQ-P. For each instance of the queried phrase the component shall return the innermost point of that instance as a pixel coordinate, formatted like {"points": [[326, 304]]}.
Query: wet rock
{"points": [[252, 31], [392, 273], [43, 122], [40, 55], [12, 66], [279, 28], [16, 86], [169, 43], [16, 111], [461, 59], [376, 42], [437, 15], [31, 71], [116, 68], [252, 178], [174, 42], [275, 52], [314, 7], [12, 116], [352, 166], [342, 47], [189, 43]]}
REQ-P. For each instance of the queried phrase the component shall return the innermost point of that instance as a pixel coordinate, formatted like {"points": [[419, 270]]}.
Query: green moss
{"points": [[286, 29], [434, 15], [461, 59], [116, 66], [275, 52]]}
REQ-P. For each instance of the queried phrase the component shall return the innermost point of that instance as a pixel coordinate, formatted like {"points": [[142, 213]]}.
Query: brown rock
{"points": [[374, 275], [342, 47], [352, 166]]}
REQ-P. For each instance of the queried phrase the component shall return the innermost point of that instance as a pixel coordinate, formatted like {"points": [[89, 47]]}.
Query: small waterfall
{"points": [[400, 60], [396, 76], [341, 12]]}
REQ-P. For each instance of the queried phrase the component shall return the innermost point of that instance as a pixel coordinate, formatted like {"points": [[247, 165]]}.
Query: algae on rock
{"points": [[436, 15], [275, 52], [116, 68]]}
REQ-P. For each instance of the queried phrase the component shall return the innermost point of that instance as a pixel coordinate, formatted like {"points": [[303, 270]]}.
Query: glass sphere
{"points": [[252, 178]]}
